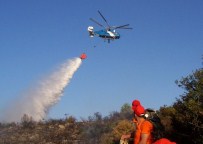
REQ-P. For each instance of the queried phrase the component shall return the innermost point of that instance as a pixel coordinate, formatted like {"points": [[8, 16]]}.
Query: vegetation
{"points": [[183, 122]]}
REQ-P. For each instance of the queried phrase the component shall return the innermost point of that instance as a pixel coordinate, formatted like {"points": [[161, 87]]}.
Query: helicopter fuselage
{"points": [[107, 34]]}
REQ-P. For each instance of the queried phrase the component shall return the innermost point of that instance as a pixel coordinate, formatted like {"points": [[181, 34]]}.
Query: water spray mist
{"points": [[37, 102]]}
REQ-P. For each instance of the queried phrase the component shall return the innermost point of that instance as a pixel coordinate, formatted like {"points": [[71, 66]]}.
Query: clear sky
{"points": [[166, 44]]}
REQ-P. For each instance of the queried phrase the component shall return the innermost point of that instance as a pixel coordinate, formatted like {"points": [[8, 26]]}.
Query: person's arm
{"points": [[144, 138], [123, 137]]}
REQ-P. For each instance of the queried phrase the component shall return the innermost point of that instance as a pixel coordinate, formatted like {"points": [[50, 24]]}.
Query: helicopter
{"points": [[108, 33]]}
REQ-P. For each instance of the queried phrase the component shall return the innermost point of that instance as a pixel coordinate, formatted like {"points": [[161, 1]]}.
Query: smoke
{"points": [[37, 102]]}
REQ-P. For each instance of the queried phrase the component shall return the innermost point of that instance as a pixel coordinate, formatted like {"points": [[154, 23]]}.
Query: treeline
{"points": [[182, 121]]}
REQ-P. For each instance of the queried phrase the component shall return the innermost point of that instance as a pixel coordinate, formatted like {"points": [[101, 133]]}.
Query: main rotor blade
{"points": [[103, 18], [96, 22], [122, 26]]}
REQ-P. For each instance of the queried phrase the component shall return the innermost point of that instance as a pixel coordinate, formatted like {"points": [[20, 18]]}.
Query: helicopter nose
{"points": [[117, 37]]}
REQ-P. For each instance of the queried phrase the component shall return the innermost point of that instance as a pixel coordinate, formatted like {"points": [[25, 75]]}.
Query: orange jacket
{"points": [[144, 127]]}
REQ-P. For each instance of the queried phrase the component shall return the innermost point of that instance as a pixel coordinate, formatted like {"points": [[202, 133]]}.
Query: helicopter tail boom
{"points": [[91, 31]]}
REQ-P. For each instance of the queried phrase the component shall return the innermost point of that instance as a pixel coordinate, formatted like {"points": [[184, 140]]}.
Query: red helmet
{"points": [[138, 108]]}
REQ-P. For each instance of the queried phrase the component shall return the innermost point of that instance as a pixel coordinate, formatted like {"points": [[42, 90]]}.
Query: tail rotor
{"points": [[91, 31]]}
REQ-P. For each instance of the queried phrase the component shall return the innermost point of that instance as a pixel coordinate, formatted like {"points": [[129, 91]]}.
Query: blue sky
{"points": [[165, 45]]}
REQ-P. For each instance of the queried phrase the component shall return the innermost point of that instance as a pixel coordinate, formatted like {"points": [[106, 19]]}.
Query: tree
{"points": [[27, 121], [188, 117], [94, 128], [126, 111]]}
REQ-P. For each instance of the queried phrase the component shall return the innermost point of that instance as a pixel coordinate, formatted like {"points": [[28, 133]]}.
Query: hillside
{"points": [[50, 132]]}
